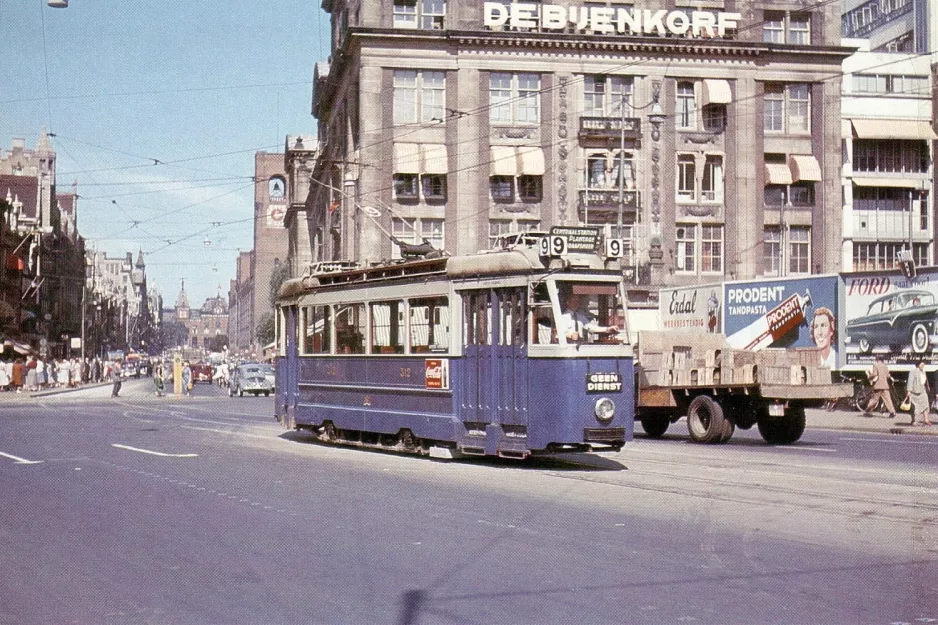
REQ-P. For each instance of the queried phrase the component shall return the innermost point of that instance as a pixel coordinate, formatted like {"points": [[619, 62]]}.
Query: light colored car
{"points": [[249, 378], [271, 375]]}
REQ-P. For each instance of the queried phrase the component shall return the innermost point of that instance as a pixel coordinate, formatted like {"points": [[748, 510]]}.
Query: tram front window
{"points": [[590, 313]]}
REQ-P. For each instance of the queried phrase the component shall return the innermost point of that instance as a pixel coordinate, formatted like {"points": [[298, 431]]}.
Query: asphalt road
{"points": [[202, 510]]}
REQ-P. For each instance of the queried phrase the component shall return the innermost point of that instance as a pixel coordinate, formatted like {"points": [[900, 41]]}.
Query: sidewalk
{"points": [[851, 420]]}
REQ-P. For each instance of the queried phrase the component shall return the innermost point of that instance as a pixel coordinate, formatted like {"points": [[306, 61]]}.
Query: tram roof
{"points": [[520, 261]]}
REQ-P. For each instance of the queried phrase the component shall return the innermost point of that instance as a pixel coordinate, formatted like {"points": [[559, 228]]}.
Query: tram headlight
{"points": [[605, 409]]}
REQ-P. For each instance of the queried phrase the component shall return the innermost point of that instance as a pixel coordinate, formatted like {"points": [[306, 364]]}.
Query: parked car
{"points": [[249, 378], [898, 320], [201, 372]]}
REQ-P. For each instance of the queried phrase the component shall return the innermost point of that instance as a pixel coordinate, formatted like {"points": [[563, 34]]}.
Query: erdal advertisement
{"points": [[890, 315], [692, 308], [789, 312]]}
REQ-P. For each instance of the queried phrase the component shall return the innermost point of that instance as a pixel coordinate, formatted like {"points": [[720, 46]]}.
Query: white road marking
{"points": [[153, 453], [797, 448], [891, 441], [19, 460]]}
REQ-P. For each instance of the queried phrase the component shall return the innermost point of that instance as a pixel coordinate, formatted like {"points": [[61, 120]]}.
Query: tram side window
{"points": [[429, 325], [542, 318], [478, 323], [317, 330], [350, 329], [511, 330], [387, 328]]}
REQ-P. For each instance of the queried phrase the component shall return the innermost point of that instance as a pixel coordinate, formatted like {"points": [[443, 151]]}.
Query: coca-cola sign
{"points": [[436, 373]]}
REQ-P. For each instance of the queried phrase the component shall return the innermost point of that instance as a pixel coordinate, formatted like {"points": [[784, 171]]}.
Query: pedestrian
{"points": [[40, 373], [116, 378], [96, 370], [158, 379], [918, 393], [187, 379], [4, 376], [880, 378]]}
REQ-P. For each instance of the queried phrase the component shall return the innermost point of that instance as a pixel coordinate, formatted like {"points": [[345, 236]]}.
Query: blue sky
{"points": [[198, 86]]}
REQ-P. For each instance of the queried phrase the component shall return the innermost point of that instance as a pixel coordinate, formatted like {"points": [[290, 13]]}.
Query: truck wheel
{"points": [[783, 430], [729, 428], [705, 420], [920, 338], [655, 425]]}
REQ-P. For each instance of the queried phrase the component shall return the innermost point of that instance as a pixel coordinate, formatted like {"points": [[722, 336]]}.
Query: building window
{"points": [[787, 108], [498, 228], [799, 249], [874, 255], [416, 231], [405, 186], [607, 96], [685, 252], [603, 170], [418, 96], [711, 188], [514, 98], [502, 188], [796, 195], [434, 186], [799, 29], [714, 117], [686, 178], [779, 27], [428, 14], [772, 251], [686, 110], [529, 188], [711, 249], [890, 156], [773, 27]]}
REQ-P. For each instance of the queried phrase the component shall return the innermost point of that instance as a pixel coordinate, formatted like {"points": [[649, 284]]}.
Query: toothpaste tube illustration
{"points": [[773, 325]]}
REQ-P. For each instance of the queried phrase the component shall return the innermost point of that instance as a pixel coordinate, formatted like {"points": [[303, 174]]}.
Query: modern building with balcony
{"points": [[888, 175]]}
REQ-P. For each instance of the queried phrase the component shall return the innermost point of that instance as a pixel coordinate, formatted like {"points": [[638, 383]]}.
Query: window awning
{"points": [[435, 158], [777, 173], [504, 161], [895, 183], [893, 129], [531, 161], [406, 158], [804, 167], [716, 92]]}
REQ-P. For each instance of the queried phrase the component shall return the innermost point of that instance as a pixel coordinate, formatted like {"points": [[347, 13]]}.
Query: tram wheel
{"points": [[705, 420]]}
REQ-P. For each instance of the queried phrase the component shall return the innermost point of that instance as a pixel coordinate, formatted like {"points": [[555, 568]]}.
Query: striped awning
{"points": [[406, 158], [504, 161], [895, 183], [804, 167], [893, 129], [435, 158], [777, 173], [716, 92], [531, 161]]}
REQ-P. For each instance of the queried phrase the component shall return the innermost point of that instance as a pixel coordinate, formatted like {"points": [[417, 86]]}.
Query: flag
{"points": [[334, 206]]}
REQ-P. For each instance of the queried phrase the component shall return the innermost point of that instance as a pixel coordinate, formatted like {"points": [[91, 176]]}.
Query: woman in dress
{"points": [[918, 393]]}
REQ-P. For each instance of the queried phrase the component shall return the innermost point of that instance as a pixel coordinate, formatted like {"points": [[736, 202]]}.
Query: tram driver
{"points": [[576, 322]]}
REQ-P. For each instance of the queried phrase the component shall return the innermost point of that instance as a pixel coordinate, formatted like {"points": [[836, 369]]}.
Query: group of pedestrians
{"points": [[34, 373], [916, 392]]}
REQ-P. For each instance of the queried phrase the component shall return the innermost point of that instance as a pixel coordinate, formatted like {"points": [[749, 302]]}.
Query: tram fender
{"points": [[493, 436]]}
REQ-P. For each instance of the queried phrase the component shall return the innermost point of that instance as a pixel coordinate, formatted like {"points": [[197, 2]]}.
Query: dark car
{"points": [[249, 378], [898, 320], [201, 372]]}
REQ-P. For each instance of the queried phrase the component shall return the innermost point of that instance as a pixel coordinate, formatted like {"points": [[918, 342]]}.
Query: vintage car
{"points": [[201, 372], [249, 378], [898, 320]]}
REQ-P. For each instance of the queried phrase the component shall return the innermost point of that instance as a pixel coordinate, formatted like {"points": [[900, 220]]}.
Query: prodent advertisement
{"points": [[892, 316], [788, 312]]}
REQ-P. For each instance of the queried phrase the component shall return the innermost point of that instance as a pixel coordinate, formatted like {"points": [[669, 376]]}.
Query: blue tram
{"points": [[455, 356]]}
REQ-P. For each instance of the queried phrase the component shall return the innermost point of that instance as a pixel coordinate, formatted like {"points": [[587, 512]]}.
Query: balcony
{"points": [[608, 128], [605, 202]]}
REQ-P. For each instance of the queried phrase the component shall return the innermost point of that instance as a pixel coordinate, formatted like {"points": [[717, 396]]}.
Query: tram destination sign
{"points": [[578, 238], [603, 382]]}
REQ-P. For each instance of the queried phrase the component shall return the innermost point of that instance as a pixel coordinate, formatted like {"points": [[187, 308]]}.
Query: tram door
{"points": [[495, 387]]}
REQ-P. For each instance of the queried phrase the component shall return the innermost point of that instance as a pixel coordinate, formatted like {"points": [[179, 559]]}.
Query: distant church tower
{"points": [[182, 304]]}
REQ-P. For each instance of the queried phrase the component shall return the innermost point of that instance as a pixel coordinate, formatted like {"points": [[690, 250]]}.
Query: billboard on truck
{"points": [[786, 312], [890, 315], [697, 307], [754, 314]]}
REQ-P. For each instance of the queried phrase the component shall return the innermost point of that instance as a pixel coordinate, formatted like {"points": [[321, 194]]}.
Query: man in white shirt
{"points": [[577, 324]]}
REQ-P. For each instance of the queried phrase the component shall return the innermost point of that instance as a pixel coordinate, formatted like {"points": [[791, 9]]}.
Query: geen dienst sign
{"points": [[609, 20]]}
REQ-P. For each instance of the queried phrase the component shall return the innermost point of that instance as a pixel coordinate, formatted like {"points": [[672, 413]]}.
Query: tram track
{"points": [[827, 495]]}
